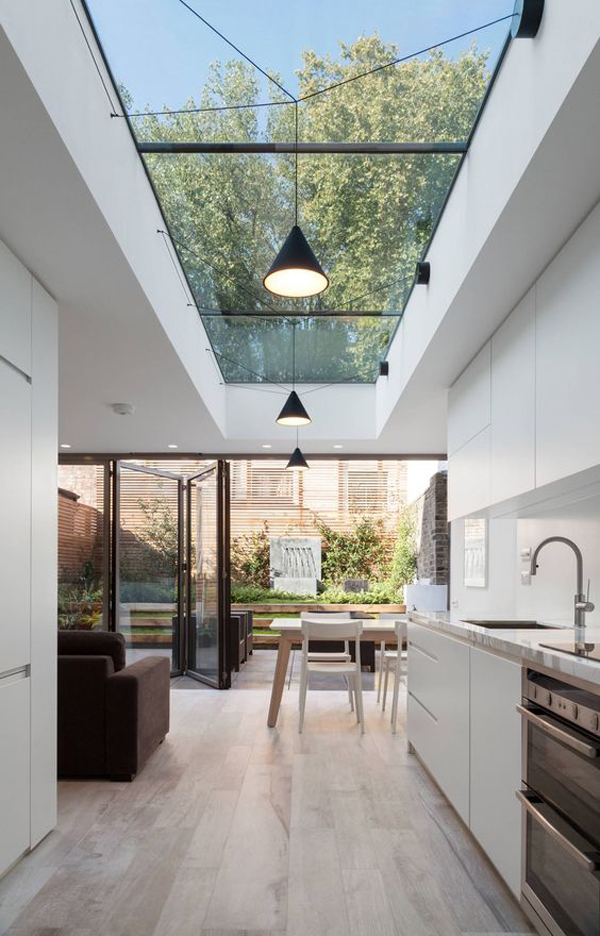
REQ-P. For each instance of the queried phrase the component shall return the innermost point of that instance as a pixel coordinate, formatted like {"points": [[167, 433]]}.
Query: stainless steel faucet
{"points": [[582, 603]]}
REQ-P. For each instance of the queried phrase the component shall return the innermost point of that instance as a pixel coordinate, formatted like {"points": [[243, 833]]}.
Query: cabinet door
{"points": [[496, 762], [15, 311], [14, 769], [513, 403], [469, 477], [469, 402], [567, 372], [438, 710], [15, 518]]}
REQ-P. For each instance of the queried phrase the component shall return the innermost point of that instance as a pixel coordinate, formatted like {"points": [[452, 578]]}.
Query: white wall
{"points": [[28, 562], [498, 597], [550, 594]]}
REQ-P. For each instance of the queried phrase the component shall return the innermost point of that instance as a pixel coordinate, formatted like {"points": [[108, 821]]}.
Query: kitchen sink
{"points": [[513, 625]]}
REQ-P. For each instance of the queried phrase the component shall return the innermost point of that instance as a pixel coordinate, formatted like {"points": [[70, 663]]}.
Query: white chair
{"points": [[400, 632], [390, 659], [338, 630], [330, 655]]}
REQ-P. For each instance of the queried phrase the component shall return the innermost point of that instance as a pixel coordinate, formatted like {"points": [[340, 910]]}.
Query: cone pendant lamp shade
{"points": [[293, 412], [296, 273], [297, 462]]}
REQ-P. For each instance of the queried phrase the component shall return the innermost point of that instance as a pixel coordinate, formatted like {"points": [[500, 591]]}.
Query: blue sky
{"points": [[161, 52]]}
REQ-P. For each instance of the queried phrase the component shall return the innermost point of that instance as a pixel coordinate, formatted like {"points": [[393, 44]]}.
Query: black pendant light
{"points": [[293, 412], [297, 461], [296, 273]]}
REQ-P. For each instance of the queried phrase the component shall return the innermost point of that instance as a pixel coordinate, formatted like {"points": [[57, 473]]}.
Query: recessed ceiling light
{"points": [[338, 446], [172, 445], [266, 445], [65, 445]]}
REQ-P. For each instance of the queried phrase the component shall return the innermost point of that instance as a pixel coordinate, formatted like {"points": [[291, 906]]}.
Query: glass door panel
{"points": [[208, 577], [148, 559]]}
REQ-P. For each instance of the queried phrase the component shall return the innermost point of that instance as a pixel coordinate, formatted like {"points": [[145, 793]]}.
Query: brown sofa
{"points": [[111, 717]]}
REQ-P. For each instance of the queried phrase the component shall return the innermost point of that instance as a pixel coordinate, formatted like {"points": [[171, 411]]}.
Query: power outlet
{"points": [[454, 604], [525, 578], [526, 554]]}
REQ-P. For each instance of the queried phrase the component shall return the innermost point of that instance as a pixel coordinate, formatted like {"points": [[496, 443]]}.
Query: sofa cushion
{"points": [[93, 643]]}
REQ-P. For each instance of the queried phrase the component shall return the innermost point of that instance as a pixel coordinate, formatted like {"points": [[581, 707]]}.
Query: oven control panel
{"points": [[574, 705]]}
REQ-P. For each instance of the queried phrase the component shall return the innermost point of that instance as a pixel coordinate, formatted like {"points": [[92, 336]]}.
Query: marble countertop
{"points": [[522, 645]]}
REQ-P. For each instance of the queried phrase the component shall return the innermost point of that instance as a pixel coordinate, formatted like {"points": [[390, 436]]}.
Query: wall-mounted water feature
{"points": [[295, 563]]}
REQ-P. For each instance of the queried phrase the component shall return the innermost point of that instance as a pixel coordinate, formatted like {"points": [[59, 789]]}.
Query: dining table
{"points": [[380, 631]]}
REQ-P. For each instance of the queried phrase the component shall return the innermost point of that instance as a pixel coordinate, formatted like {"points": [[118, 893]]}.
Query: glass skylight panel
{"points": [[368, 217]]}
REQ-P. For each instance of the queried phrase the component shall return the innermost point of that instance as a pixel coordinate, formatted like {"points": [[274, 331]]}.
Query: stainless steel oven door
{"points": [[561, 872], [561, 866]]}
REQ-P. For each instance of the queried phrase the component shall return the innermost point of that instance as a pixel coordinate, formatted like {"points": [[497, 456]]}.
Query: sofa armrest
{"points": [[82, 684], [137, 714]]}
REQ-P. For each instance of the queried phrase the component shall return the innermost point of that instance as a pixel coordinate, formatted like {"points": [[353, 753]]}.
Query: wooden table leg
{"points": [[283, 656]]}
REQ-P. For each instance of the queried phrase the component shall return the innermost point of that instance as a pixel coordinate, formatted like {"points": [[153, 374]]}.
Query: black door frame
{"points": [[221, 467]]}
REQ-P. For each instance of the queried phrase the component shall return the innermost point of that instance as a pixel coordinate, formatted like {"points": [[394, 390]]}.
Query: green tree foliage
{"points": [[363, 552], [367, 217], [250, 559], [404, 558]]}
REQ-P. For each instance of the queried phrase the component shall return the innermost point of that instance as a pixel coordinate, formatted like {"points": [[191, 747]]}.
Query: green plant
{"points": [[404, 558], [250, 558], [363, 552], [248, 594]]}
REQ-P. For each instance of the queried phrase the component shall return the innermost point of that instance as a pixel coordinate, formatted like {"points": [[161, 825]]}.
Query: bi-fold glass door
{"points": [[170, 567]]}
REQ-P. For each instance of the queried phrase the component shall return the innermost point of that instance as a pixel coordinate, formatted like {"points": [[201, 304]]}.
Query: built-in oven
{"points": [[561, 806]]}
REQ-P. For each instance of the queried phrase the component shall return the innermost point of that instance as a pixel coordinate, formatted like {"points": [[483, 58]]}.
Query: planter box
{"points": [[300, 606]]}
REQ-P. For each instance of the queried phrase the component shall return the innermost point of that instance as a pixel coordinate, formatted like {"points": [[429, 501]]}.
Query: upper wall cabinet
{"points": [[469, 402], [513, 403], [568, 358], [469, 477], [15, 311]]}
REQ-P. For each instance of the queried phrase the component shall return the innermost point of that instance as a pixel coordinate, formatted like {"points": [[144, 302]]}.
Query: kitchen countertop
{"points": [[522, 645]]}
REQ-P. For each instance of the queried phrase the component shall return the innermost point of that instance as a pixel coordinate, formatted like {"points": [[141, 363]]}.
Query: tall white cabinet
{"points": [[28, 558]]}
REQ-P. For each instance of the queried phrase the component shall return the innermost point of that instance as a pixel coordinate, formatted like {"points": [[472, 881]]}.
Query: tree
{"points": [[404, 559], [367, 217]]}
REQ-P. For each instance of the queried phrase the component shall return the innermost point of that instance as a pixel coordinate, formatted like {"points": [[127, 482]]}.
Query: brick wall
{"points": [[434, 541]]}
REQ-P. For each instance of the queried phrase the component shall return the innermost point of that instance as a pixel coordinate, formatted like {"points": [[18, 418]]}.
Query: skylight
{"points": [[368, 216]]}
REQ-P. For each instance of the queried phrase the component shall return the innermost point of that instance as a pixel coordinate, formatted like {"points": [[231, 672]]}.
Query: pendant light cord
{"points": [[293, 355], [296, 166]]}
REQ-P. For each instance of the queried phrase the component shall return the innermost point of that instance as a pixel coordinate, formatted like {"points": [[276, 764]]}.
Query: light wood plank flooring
{"points": [[234, 828]]}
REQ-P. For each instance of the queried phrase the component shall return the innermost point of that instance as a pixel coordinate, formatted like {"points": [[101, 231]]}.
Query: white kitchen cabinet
{"points": [[513, 403], [15, 311], [469, 401], [438, 710], [567, 368], [495, 762], [469, 476], [44, 550], [15, 517], [14, 768]]}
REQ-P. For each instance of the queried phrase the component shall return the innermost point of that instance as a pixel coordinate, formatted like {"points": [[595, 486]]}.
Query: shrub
{"points": [[364, 552], [250, 558], [249, 594], [403, 566]]}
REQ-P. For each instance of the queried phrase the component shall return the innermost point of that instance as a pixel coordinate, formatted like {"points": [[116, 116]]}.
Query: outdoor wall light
{"points": [[293, 412], [527, 16], [296, 273], [423, 272], [384, 368], [297, 462]]}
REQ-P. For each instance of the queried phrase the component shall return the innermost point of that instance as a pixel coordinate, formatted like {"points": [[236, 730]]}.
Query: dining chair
{"points": [[331, 655], [400, 632], [335, 630], [388, 616]]}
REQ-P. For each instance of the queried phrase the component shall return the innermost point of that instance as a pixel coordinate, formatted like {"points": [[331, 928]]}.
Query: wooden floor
{"points": [[235, 828]]}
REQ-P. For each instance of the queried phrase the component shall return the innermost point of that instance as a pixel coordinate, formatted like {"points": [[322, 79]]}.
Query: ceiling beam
{"points": [[373, 149]]}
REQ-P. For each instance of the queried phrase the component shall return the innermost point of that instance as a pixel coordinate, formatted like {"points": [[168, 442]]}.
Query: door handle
{"points": [[569, 839], [556, 730]]}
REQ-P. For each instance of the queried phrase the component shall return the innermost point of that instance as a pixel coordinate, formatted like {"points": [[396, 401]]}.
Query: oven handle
{"points": [[556, 730], [590, 860]]}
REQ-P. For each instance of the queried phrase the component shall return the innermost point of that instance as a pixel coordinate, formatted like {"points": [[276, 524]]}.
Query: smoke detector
{"points": [[123, 409]]}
